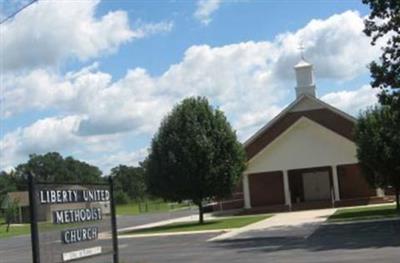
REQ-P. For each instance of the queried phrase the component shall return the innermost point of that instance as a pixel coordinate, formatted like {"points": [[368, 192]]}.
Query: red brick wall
{"points": [[352, 184], [325, 117], [266, 189]]}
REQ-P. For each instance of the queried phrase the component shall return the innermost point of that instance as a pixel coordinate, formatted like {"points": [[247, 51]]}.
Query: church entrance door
{"points": [[316, 186]]}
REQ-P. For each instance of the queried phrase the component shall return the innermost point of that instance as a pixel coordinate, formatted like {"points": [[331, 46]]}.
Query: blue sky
{"points": [[93, 79]]}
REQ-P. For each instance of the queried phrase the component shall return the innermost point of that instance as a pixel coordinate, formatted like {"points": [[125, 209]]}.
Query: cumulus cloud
{"points": [[336, 46], [51, 31], [53, 134], [250, 81], [248, 70], [107, 162], [205, 8], [149, 29], [50, 134], [8, 8], [352, 101]]}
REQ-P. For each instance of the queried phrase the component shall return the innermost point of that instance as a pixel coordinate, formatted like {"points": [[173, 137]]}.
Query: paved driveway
{"points": [[353, 243], [18, 249], [290, 224]]}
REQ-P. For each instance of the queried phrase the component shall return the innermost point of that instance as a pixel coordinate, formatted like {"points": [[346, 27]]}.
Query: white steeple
{"points": [[304, 77]]}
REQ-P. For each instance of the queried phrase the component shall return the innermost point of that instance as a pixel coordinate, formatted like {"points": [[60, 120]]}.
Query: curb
{"points": [[347, 222], [173, 233]]}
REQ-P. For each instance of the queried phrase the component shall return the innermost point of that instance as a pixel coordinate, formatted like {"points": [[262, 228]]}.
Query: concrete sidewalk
{"points": [[297, 224], [191, 218]]}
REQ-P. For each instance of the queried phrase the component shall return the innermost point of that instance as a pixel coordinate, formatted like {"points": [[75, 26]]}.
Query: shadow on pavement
{"points": [[327, 237]]}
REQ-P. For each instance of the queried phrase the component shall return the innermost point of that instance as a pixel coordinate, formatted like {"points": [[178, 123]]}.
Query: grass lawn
{"points": [[25, 229], [135, 208], [128, 209], [364, 213], [226, 223], [14, 230]]}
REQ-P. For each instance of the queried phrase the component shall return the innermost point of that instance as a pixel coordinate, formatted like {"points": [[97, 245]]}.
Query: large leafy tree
{"points": [[378, 129], [378, 147], [384, 23], [7, 184], [130, 181], [52, 167], [195, 155]]}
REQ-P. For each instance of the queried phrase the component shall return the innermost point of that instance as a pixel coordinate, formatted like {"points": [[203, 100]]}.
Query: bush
{"points": [[121, 198]]}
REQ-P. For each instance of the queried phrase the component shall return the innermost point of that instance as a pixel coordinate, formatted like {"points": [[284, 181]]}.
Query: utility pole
{"points": [[16, 12]]}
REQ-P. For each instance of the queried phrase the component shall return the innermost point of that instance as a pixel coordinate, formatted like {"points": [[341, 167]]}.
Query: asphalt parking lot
{"points": [[18, 249], [355, 242], [361, 242]]}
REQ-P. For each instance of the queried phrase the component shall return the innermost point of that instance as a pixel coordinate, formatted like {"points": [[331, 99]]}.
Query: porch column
{"points": [[286, 189], [246, 191], [380, 192], [335, 183]]}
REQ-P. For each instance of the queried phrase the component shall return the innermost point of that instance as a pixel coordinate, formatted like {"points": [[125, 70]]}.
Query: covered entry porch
{"points": [[312, 187], [308, 188], [287, 189]]}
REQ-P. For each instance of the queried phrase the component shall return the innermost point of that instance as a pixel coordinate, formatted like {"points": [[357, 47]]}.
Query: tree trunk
{"points": [[397, 192], [201, 213]]}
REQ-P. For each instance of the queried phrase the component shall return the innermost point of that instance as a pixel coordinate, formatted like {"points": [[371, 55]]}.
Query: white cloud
{"points": [[247, 122], [54, 134], [149, 29], [49, 32], [250, 81], [336, 46], [107, 162], [249, 71], [352, 101], [12, 6], [50, 134], [205, 8]]}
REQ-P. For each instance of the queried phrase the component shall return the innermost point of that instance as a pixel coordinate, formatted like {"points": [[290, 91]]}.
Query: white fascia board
{"points": [[301, 119], [289, 108]]}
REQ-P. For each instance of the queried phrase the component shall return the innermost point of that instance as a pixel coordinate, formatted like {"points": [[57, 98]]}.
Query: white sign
{"points": [[81, 253]]}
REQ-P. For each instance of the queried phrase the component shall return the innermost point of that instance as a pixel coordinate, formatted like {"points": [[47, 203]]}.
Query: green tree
{"points": [[384, 23], [79, 171], [194, 155], [10, 211], [52, 167], [129, 180], [7, 184], [378, 147], [121, 197]]}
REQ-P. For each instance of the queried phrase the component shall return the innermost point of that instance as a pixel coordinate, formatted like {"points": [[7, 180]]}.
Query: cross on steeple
{"points": [[301, 48], [304, 76]]}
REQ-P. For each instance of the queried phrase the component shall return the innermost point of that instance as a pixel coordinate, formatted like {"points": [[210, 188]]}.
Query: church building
{"points": [[305, 157]]}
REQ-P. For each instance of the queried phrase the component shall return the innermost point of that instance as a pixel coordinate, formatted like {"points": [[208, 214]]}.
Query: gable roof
{"points": [[316, 110]]}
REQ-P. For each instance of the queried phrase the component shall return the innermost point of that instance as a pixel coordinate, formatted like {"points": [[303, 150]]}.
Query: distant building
{"points": [[22, 201]]}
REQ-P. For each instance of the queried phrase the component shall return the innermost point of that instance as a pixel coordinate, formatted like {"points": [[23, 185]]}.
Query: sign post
{"points": [[73, 222], [114, 222], [34, 227]]}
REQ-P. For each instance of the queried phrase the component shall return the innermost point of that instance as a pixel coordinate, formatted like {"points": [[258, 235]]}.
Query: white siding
{"points": [[303, 145]]}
